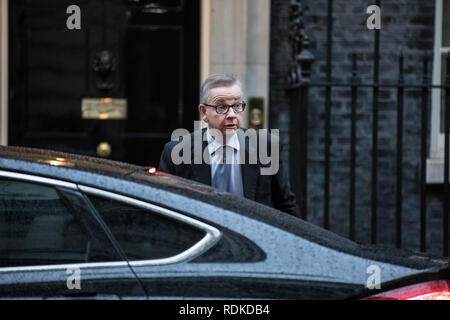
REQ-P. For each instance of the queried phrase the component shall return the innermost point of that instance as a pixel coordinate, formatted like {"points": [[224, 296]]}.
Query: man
{"points": [[228, 163]]}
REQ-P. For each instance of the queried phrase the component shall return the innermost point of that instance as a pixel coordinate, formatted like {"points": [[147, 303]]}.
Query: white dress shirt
{"points": [[232, 158]]}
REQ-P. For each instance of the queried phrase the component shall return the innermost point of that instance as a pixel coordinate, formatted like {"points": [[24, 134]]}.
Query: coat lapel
{"points": [[201, 171], [249, 170]]}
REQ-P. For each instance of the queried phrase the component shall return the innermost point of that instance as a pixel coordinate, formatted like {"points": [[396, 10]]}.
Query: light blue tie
{"points": [[223, 173]]}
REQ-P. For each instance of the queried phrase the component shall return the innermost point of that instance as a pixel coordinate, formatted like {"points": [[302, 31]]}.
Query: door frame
{"points": [[235, 38], [206, 34]]}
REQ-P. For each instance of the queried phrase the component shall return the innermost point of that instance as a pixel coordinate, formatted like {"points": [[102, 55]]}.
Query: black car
{"points": [[73, 226]]}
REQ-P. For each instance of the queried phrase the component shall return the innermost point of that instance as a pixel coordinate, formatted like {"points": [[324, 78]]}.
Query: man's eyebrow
{"points": [[221, 100]]}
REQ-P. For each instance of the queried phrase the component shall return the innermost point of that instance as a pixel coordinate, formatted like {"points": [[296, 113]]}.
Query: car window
{"points": [[144, 234], [36, 228], [232, 248]]}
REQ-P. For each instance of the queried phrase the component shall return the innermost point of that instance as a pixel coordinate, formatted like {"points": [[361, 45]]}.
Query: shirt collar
{"points": [[213, 145]]}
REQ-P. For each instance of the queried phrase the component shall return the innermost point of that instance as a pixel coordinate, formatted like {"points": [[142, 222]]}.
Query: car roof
{"points": [[207, 194], [68, 160]]}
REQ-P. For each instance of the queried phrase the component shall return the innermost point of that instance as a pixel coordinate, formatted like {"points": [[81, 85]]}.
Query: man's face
{"points": [[227, 123]]}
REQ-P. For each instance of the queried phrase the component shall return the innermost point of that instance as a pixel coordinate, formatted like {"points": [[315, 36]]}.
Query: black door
{"points": [[133, 67]]}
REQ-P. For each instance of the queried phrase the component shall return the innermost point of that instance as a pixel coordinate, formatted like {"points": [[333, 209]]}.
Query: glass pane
{"points": [[36, 228], [143, 234], [446, 24]]}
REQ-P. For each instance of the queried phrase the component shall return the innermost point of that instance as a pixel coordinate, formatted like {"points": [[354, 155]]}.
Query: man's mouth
{"points": [[231, 126]]}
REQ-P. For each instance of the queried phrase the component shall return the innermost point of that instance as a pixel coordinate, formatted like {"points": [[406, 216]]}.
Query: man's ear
{"points": [[202, 110]]}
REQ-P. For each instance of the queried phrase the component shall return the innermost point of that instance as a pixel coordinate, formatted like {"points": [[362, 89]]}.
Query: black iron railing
{"points": [[299, 91]]}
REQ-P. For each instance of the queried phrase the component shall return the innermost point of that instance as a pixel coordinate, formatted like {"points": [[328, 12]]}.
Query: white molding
{"points": [[258, 52], [435, 164], [435, 171], [436, 93], [37, 179], [236, 40], [3, 72], [205, 47]]}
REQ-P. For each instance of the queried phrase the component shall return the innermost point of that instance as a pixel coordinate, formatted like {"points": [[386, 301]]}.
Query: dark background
{"points": [[154, 64]]}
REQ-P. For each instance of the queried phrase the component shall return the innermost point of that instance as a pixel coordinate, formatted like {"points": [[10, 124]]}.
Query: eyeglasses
{"points": [[223, 108]]}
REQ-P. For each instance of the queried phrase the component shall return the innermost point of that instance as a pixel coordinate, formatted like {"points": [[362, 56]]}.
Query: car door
{"points": [[177, 256], [53, 247]]}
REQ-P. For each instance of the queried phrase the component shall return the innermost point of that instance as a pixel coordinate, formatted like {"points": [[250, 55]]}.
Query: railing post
{"points": [[423, 156], [295, 145], [353, 150], [299, 78], [399, 185], [376, 78], [305, 59], [327, 140]]}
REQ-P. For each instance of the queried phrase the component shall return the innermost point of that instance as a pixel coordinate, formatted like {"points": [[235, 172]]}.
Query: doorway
{"points": [[117, 87]]}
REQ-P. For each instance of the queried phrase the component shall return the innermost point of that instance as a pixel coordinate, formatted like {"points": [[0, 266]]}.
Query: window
{"points": [[36, 228], [143, 234], [446, 24], [445, 50], [442, 48], [435, 165], [443, 80], [232, 248]]}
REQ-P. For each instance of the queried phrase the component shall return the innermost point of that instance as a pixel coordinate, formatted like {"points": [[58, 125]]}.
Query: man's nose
{"points": [[231, 113]]}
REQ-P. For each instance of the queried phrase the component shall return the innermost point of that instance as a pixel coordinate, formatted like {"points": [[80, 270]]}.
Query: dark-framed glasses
{"points": [[223, 108]]}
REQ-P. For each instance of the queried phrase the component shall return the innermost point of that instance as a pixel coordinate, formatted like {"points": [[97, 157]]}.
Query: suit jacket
{"points": [[272, 190]]}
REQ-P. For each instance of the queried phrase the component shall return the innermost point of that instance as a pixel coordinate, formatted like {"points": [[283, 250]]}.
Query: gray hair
{"points": [[215, 81]]}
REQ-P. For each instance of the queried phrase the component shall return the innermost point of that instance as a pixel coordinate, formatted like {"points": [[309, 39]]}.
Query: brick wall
{"points": [[407, 26]]}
